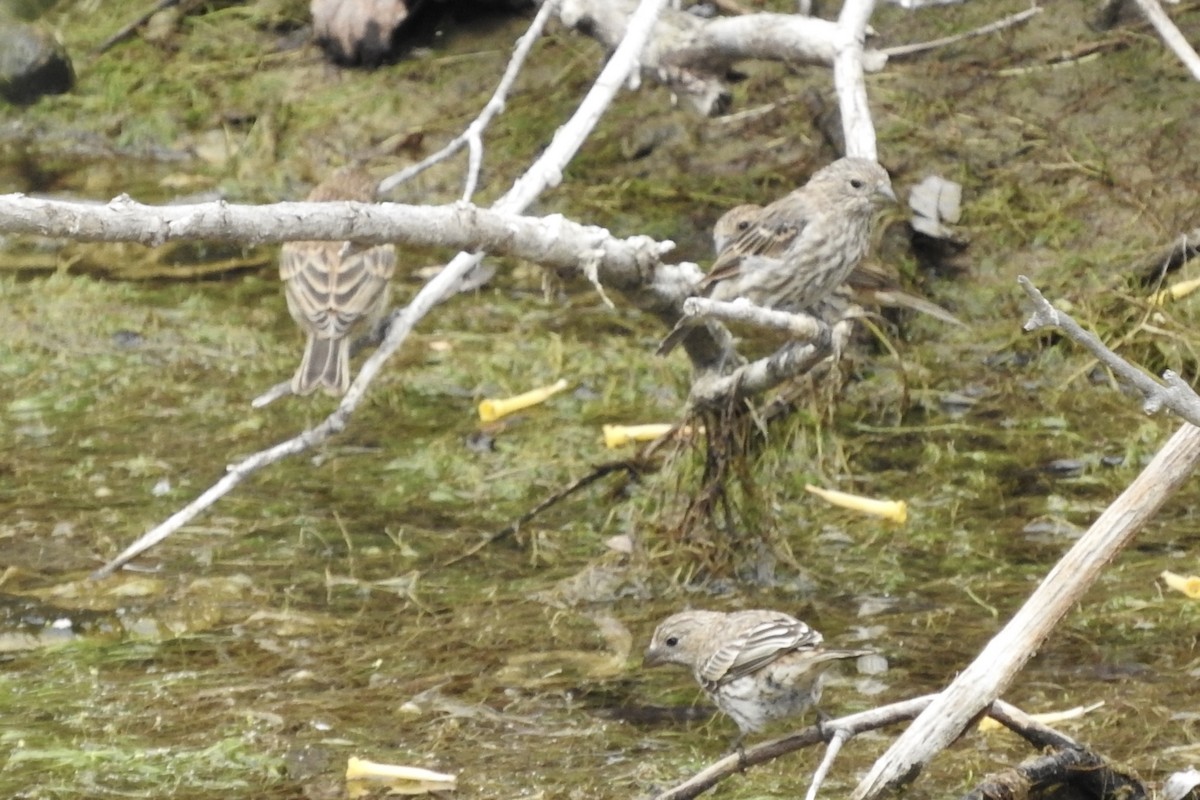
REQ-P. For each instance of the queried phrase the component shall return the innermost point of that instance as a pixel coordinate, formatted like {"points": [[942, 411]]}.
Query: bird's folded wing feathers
{"points": [[769, 237], [334, 293], [758, 647]]}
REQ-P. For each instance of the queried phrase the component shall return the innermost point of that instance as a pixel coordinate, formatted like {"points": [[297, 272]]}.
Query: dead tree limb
{"points": [[1079, 769], [994, 669], [845, 728]]}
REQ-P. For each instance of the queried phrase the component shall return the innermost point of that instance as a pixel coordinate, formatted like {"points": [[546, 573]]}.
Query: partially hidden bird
{"points": [[800, 247], [334, 293], [867, 282]]}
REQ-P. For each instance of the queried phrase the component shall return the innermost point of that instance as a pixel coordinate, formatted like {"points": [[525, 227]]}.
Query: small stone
{"points": [[32, 63]]}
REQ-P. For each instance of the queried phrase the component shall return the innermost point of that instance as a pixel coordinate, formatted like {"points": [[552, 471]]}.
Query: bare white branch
{"points": [[1176, 395], [848, 79], [979, 684], [473, 135], [1171, 35], [992, 27], [839, 738], [553, 240], [691, 55], [800, 326], [711, 389]]}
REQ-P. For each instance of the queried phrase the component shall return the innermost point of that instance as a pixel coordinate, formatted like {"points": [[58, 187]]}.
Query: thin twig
{"points": [[1176, 395], [840, 736], [127, 30], [711, 389], [545, 172], [799, 326], [628, 466], [844, 728], [1037, 734], [774, 748], [472, 136], [992, 27]]}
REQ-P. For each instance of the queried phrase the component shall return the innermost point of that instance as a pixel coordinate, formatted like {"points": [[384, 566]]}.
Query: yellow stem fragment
{"points": [[617, 435], [491, 410], [1188, 584], [894, 510], [1176, 292], [1046, 717], [358, 769]]}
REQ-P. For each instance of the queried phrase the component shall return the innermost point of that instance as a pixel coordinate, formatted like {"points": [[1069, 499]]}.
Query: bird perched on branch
{"points": [[865, 281], [757, 666], [333, 293], [801, 247]]}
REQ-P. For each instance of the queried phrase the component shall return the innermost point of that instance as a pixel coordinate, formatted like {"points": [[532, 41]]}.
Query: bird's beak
{"points": [[887, 193], [652, 658]]}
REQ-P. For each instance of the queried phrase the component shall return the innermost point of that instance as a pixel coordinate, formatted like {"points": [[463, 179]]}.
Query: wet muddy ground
{"points": [[312, 615]]}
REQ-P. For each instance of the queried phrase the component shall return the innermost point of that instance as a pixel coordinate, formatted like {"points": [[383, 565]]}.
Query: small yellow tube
{"points": [[1045, 717], [491, 410], [358, 769], [617, 435], [1176, 292], [894, 510], [1188, 584]]}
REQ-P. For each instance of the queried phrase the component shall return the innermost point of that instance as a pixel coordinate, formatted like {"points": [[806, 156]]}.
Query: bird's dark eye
{"points": [[743, 225], [856, 183], [672, 641]]}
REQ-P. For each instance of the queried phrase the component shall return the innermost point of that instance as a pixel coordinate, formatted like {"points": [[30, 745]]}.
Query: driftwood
{"points": [[1103, 784], [691, 55], [979, 684], [1080, 772]]}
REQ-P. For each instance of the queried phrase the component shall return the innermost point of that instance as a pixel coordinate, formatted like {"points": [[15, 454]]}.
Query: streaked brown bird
{"points": [[757, 666], [866, 282], [801, 247], [334, 297]]}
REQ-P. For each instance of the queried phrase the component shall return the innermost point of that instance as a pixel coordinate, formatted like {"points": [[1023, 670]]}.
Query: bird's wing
{"points": [[359, 280], [776, 228], [331, 292], [757, 647]]}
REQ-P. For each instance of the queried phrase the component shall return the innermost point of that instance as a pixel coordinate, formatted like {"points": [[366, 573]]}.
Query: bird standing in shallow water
{"points": [[757, 666], [801, 247], [334, 297]]}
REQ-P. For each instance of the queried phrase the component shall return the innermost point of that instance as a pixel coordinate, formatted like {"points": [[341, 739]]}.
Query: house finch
{"points": [[865, 280], [332, 297], [802, 246], [757, 666]]}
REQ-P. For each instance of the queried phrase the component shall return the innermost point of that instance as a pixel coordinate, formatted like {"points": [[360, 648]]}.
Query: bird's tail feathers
{"points": [[326, 365], [677, 335]]}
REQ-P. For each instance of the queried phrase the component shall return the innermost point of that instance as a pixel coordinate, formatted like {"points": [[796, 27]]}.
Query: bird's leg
{"points": [[736, 746], [823, 720]]}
